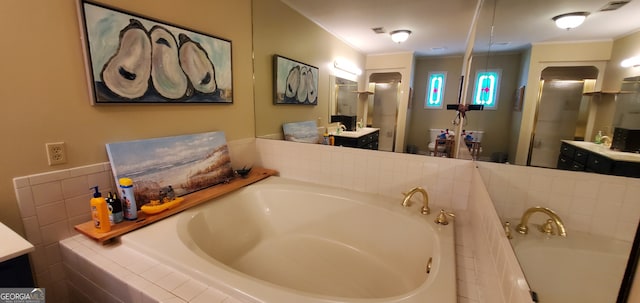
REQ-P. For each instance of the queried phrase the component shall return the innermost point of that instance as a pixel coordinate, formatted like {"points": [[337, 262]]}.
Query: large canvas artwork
{"points": [[294, 82], [188, 163], [133, 59], [306, 132]]}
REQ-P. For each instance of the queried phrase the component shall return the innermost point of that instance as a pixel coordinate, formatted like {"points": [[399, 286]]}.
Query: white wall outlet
{"points": [[56, 153]]}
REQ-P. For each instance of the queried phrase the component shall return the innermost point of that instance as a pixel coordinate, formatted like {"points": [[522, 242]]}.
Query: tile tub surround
{"points": [[384, 173], [450, 183], [52, 203], [593, 203], [115, 273]]}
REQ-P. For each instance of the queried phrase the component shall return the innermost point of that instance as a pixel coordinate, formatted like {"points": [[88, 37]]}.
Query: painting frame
{"points": [[289, 76], [171, 63]]}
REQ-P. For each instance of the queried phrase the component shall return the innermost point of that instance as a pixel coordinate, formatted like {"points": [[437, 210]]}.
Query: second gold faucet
{"points": [[547, 227], [425, 199]]}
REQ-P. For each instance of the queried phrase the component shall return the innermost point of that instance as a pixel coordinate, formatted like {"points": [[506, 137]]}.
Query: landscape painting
{"points": [[188, 163], [306, 132], [134, 59]]}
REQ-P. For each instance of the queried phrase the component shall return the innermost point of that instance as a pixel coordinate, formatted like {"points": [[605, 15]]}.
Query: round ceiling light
{"points": [[401, 35], [570, 20]]}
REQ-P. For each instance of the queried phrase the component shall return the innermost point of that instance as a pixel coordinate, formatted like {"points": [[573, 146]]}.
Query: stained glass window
{"points": [[435, 90], [486, 89]]}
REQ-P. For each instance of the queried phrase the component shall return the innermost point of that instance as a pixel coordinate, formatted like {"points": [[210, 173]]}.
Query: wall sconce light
{"points": [[401, 35], [570, 20], [631, 62], [347, 66]]}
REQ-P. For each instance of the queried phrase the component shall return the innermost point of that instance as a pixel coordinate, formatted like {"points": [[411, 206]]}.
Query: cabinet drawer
{"points": [[599, 164], [362, 141], [564, 162], [580, 156], [575, 166], [567, 150]]}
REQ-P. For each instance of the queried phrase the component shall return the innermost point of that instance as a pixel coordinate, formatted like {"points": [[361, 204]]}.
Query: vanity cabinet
{"points": [[590, 157], [366, 140], [16, 272]]}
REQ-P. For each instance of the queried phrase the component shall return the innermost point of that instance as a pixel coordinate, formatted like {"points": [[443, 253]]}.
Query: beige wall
{"points": [[495, 123], [623, 48], [402, 63], [516, 116], [556, 54], [277, 29], [424, 119], [45, 98]]}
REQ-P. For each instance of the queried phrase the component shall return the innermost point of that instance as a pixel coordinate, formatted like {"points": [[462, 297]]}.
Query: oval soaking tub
{"points": [[281, 240]]}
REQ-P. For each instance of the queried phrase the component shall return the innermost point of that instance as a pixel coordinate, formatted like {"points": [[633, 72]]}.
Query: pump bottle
{"points": [[128, 199], [100, 212]]}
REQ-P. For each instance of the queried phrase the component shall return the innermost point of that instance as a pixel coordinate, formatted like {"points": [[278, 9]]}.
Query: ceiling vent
{"points": [[378, 30], [614, 5]]}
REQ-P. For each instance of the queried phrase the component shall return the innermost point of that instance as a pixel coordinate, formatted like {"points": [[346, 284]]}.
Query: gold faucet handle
{"points": [[442, 217], [547, 227], [507, 230]]}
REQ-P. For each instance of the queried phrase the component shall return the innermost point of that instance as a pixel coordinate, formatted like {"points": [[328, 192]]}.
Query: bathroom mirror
{"points": [[503, 139], [269, 39], [343, 97]]}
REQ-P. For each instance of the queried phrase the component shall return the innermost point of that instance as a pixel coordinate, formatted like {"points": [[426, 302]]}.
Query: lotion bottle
{"points": [[129, 204], [100, 212]]}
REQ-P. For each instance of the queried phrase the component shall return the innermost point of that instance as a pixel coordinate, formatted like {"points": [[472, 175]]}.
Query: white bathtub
{"points": [[580, 268], [286, 241]]}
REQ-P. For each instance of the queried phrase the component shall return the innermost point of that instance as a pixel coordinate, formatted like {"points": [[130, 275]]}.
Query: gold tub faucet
{"points": [[523, 229], [425, 199]]}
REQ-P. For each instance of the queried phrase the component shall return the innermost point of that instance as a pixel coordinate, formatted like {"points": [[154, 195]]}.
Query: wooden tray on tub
{"points": [[190, 200]]}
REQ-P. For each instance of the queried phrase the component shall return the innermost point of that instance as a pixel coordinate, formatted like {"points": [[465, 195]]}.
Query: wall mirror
{"points": [[275, 23], [343, 98]]}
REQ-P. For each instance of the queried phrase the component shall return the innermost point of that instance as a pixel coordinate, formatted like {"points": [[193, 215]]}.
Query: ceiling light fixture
{"points": [[570, 20], [401, 35]]}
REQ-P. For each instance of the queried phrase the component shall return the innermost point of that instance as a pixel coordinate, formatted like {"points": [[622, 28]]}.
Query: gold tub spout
{"points": [[523, 229], [425, 199]]}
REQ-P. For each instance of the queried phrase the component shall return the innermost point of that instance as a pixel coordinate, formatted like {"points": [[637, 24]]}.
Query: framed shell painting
{"points": [[294, 82], [135, 59]]}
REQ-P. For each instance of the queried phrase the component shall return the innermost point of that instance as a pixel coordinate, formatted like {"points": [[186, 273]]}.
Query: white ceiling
{"points": [[438, 24]]}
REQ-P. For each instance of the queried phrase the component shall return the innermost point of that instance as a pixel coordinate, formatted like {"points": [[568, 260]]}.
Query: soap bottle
{"points": [[128, 199], [599, 137], [325, 137], [100, 212], [115, 208]]}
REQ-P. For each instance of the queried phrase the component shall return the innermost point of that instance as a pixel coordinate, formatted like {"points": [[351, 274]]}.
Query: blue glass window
{"points": [[486, 89], [435, 90]]}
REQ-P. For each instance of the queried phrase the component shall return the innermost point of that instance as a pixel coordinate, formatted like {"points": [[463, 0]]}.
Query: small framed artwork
{"points": [[294, 82], [135, 59], [519, 98]]}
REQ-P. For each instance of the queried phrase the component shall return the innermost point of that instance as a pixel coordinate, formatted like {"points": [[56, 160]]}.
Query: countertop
{"points": [[605, 151], [12, 244], [356, 134]]}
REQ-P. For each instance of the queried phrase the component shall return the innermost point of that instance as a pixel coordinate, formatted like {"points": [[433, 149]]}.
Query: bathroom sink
{"points": [[355, 134]]}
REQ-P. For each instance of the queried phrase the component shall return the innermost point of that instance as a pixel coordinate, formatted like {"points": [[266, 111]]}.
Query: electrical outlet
{"points": [[56, 153]]}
